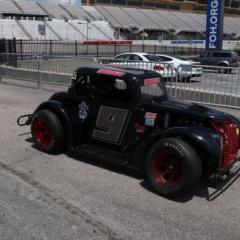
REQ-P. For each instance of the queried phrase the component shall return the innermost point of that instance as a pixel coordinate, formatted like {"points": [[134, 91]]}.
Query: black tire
{"points": [[47, 131], [223, 71], [173, 167]]}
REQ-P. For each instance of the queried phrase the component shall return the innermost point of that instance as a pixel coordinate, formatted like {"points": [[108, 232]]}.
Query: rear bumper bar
{"points": [[235, 168]]}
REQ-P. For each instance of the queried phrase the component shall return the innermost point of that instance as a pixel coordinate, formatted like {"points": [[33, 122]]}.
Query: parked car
{"points": [[145, 61], [124, 115], [186, 69], [225, 59]]}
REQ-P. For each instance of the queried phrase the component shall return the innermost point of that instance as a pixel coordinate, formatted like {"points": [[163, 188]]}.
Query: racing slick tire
{"points": [[173, 167], [47, 131]]}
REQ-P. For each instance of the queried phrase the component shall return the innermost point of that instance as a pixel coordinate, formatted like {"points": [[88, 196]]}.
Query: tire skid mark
{"points": [[49, 194]]}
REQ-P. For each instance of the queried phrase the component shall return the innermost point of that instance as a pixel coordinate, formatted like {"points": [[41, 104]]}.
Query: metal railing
{"points": [[41, 69], [76, 48], [215, 85], [197, 83]]}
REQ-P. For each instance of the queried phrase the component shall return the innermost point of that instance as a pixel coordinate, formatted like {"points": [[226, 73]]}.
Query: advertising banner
{"points": [[214, 28]]}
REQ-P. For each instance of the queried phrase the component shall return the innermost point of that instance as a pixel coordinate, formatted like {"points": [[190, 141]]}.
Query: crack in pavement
{"points": [[111, 235]]}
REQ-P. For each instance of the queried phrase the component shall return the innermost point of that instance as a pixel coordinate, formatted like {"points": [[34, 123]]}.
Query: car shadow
{"points": [[201, 191], [113, 166]]}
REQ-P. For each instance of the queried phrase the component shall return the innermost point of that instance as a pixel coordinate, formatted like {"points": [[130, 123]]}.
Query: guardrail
{"points": [[197, 83], [41, 69], [215, 86]]}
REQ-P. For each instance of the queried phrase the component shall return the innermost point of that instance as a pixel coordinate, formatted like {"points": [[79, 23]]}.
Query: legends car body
{"points": [[125, 115]]}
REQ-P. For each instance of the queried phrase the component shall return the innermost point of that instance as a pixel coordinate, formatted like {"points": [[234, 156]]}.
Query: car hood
{"points": [[188, 108]]}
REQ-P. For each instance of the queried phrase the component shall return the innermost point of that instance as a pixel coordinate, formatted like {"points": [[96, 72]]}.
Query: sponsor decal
{"points": [[189, 42], [150, 118], [74, 75], [151, 81], [110, 72], [139, 128], [83, 110]]}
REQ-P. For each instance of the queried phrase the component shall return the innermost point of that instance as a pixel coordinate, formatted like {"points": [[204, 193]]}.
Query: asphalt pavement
{"points": [[65, 196]]}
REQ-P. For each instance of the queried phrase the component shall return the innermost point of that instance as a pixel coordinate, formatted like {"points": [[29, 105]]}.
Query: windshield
{"points": [[153, 58], [153, 91]]}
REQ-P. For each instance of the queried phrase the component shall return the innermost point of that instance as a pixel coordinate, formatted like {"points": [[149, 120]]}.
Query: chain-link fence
{"points": [[196, 83]]}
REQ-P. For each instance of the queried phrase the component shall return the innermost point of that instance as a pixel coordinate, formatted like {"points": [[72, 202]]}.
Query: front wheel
{"points": [[173, 167], [47, 131]]}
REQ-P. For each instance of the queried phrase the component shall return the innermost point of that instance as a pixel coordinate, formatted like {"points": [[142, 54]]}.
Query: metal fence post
{"points": [[115, 49], [97, 50], [39, 82], [76, 50], [50, 47]]}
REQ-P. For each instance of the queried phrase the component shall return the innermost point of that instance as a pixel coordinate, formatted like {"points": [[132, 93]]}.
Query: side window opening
{"points": [[82, 86], [123, 57], [135, 58], [111, 89]]}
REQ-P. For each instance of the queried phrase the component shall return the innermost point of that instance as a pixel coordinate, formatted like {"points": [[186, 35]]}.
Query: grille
{"points": [[228, 130]]}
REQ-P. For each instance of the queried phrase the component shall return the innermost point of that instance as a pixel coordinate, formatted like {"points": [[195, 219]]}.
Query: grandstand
{"points": [[231, 6], [22, 20]]}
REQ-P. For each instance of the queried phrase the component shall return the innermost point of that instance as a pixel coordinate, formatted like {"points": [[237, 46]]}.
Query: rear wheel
{"points": [[173, 167], [223, 68], [47, 131]]}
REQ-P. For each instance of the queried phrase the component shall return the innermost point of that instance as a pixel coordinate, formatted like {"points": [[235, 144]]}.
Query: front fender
{"points": [[58, 108], [199, 137]]}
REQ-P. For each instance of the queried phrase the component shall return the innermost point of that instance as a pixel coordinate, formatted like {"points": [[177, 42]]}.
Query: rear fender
{"points": [[224, 62], [58, 108], [200, 138]]}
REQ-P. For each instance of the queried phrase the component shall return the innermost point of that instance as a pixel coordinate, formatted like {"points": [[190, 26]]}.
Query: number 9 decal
{"points": [[111, 124]]}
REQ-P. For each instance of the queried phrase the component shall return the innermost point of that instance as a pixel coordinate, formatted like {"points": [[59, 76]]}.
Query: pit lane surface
{"points": [[66, 197]]}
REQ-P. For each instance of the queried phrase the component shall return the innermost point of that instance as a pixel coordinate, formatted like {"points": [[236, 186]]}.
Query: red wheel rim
{"points": [[42, 132], [167, 167]]}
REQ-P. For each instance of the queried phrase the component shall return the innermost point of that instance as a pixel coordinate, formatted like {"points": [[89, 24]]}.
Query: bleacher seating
{"points": [[30, 7], [77, 12], [65, 30], [10, 29], [8, 7], [97, 30], [32, 28], [93, 12], [103, 21], [120, 16], [55, 11], [104, 30], [141, 19]]}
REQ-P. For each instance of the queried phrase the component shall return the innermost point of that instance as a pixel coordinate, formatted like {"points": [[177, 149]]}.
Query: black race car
{"points": [[125, 114]]}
